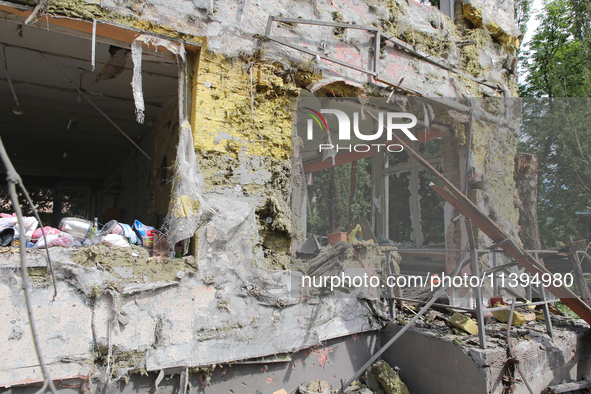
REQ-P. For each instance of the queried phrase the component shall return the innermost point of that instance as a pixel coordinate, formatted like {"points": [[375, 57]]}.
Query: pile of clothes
{"points": [[9, 229], [75, 232]]}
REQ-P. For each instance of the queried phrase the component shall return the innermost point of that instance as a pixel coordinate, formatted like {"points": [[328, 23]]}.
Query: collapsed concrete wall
{"points": [[139, 314], [497, 19], [242, 135], [545, 361]]}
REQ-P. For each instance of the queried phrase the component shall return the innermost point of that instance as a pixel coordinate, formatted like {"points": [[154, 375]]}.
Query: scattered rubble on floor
{"points": [[379, 378], [315, 386], [443, 323], [382, 376], [464, 322], [343, 255], [503, 316]]}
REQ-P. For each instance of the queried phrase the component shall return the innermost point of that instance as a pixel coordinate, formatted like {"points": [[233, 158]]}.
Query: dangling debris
{"points": [[136, 56], [93, 55], [187, 200], [39, 10], [426, 121], [115, 65], [136, 81]]}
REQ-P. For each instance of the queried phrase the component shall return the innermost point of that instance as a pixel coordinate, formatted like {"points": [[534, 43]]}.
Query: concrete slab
{"points": [[191, 322], [453, 369], [335, 360]]}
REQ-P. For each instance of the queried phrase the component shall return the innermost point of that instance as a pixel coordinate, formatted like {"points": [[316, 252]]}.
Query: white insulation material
{"points": [[93, 54], [187, 199], [136, 55]]}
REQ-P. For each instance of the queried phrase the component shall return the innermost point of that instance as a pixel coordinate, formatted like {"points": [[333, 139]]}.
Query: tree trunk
{"points": [[527, 189], [584, 292]]}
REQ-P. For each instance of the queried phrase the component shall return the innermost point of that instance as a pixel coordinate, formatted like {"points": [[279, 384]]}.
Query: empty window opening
{"points": [[70, 155], [333, 207], [414, 210]]}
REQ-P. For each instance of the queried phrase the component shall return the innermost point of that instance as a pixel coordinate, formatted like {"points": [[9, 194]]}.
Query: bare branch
{"points": [[43, 233], [13, 179]]}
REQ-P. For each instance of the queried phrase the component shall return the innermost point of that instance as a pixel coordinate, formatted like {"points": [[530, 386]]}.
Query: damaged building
{"points": [[186, 116]]}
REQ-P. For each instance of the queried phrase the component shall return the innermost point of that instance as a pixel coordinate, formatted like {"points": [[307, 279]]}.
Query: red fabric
{"points": [[48, 231]]}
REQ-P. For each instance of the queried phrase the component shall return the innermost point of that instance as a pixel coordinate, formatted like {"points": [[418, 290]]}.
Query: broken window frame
{"points": [[412, 166]]}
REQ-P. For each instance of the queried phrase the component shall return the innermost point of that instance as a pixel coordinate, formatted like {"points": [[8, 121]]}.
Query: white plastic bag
{"points": [[115, 240]]}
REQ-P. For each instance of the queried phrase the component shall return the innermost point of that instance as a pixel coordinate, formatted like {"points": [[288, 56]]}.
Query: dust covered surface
{"points": [[435, 322], [381, 376], [90, 11], [141, 266]]}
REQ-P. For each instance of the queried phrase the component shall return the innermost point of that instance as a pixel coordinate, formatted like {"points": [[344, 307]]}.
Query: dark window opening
{"points": [[70, 157], [445, 6], [414, 210]]}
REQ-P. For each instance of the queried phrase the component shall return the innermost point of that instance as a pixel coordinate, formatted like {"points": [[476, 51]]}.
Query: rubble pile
{"points": [[462, 329], [380, 378]]}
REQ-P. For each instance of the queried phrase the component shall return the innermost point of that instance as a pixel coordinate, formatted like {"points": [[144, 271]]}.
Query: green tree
{"points": [[329, 197], [557, 117], [556, 60], [522, 13]]}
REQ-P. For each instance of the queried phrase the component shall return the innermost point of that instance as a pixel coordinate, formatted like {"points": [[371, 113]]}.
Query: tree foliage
{"points": [[556, 123], [522, 13], [329, 197], [557, 60]]}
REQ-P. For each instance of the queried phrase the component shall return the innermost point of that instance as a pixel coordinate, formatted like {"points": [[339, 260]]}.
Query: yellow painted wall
{"points": [[222, 107]]}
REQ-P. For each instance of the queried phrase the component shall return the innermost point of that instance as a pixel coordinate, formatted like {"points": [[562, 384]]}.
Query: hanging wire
{"points": [[17, 110]]}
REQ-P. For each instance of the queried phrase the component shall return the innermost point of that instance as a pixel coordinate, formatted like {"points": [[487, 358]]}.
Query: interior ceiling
{"points": [[39, 142]]}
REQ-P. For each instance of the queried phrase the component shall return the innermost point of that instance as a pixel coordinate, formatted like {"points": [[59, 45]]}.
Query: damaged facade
{"points": [[216, 165]]}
